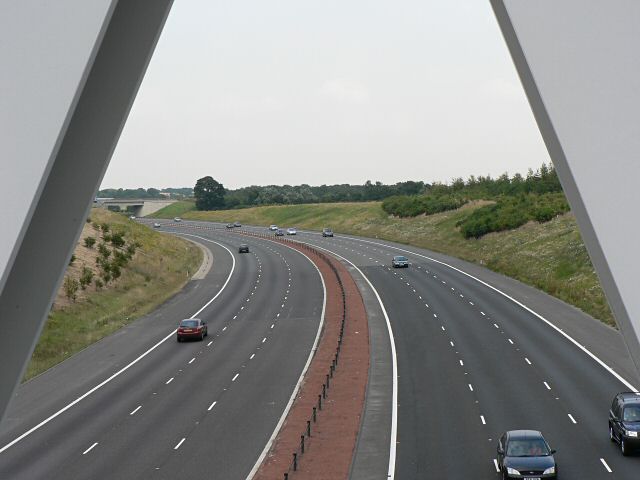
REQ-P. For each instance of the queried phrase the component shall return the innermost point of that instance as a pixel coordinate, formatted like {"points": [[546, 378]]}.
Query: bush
{"points": [[104, 227], [104, 251], [71, 286], [512, 212], [414, 205], [89, 242], [86, 277], [72, 259], [98, 284], [117, 239]]}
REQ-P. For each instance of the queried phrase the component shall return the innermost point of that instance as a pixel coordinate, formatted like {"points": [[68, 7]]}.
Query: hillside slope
{"points": [[160, 267], [550, 256]]}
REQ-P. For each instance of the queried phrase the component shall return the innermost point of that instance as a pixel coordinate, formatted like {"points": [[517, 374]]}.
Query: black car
{"points": [[624, 421], [526, 454], [243, 248], [279, 233], [327, 232], [229, 225]]}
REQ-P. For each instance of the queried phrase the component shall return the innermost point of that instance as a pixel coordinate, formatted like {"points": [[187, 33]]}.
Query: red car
{"points": [[191, 328]]}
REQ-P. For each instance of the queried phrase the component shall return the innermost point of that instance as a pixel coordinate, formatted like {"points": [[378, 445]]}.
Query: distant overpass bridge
{"points": [[137, 207]]}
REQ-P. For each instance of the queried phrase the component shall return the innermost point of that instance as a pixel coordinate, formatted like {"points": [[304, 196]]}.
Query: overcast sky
{"points": [[289, 91]]}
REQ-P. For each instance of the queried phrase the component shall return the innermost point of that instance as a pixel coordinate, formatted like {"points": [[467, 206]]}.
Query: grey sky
{"points": [[290, 91]]}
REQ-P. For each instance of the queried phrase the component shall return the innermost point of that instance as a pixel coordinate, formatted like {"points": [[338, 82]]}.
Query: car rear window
{"points": [[631, 413], [401, 259], [189, 323]]}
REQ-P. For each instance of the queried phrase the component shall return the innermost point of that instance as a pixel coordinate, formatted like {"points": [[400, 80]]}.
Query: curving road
{"points": [[140, 405], [478, 354]]}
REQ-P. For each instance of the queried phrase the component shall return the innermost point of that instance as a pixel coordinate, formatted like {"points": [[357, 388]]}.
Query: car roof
{"points": [[629, 397], [190, 320], [399, 256], [524, 434]]}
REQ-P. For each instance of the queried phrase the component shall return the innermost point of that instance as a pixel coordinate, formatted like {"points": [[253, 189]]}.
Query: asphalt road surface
{"points": [[140, 405], [473, 363]]}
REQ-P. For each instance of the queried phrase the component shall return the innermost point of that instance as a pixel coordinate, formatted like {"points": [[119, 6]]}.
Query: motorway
{"points": [[472, 362], [140, 405]]}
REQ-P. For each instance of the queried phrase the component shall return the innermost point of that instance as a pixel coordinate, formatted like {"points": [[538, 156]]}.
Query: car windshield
{"points": [[189, 323], [401, 259], [631, 413], [534, 447]]}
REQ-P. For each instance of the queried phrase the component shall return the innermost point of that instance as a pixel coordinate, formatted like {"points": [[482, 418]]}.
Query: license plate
{"points": [[187, 330], [531, 478]]}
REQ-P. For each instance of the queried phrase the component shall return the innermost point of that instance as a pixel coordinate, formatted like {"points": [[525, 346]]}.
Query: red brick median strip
{"points": [[329, 449]]}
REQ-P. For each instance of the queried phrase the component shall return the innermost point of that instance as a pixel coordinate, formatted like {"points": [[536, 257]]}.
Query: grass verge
{"points": [[177, 209], [550, 256], [160, 268]]}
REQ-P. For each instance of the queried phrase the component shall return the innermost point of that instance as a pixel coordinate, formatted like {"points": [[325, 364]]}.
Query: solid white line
{"points": [[169, 381], [90, 448], [130, 364], [483, 420], [571, 418], [522, 305], [294, 394], [547, 385], [606, 466], [394, 371], [211, 406], [234, 377], [495, 463], [179, 443], [135, 410]]}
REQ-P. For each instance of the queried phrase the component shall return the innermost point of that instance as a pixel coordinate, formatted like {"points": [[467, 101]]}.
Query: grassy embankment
{"points": [[157, 271], [177, 209], [550, 256]]}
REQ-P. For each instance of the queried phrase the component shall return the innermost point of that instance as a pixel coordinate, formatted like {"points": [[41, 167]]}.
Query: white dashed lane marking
{"points": [[571, 418], [90, 448], [169, 381], [135, 410], [211, 406], [606, 466], [179, 443]]}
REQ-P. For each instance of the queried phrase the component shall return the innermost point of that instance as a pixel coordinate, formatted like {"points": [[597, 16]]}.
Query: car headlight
{"points": [[512, 471], [550, 470], [630, 433]]}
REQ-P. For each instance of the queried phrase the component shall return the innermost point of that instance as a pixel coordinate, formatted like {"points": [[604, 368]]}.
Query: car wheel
{"points": [[178, 339], [623, 447], [202, 336]]}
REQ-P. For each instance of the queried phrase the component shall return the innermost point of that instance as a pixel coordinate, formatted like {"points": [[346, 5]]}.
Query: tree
{"points": [[209, 194]]}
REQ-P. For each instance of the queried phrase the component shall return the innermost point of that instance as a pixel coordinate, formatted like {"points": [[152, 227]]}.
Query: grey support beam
{"points": [[71, 71], [578, 63]]}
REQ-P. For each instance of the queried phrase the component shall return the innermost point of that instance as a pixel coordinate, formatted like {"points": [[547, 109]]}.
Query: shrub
{"points": [[89, 242], [98, 284], [71, 286], [86, 277], [72, 259], [104, 227], [117, 239], [104, 251]]}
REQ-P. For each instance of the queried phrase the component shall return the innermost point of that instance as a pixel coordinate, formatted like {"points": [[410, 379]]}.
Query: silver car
{"points": [[400, 262]]}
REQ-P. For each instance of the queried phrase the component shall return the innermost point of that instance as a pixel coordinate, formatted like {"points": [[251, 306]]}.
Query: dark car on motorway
{"points": [[400, 262], [243, 248], [526, 454], [624, 421], [191, 328], [327, 232], [279, 233], [229, 225]]}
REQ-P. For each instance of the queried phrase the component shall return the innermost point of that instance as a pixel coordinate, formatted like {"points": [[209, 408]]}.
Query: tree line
{"points": [[211, 194]]}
